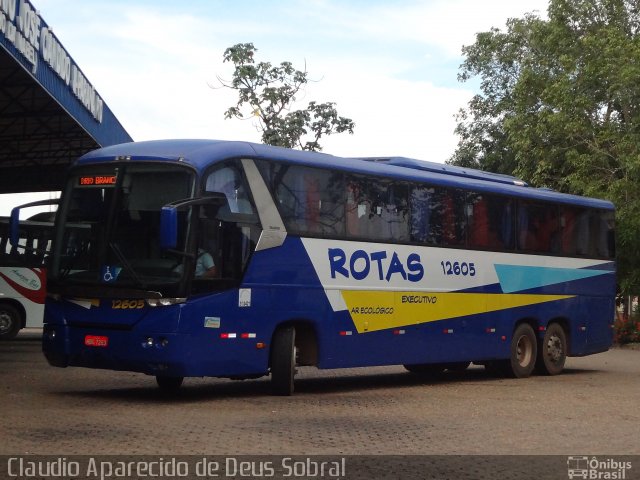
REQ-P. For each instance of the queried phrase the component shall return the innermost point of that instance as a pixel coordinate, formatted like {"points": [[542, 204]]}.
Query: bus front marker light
{"points": [[148, 342], [164, 342]]}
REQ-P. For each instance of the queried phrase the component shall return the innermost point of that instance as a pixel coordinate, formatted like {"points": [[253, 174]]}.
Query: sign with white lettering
{"points": [[24, 29]]}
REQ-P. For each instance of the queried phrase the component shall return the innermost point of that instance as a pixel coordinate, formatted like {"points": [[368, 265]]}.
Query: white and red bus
{"points": [[22, 275]]}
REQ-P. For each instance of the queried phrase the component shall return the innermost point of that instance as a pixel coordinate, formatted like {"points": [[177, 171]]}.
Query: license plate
{"points": [[96, 341]]}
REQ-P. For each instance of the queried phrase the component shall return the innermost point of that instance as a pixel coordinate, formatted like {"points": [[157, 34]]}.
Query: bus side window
{"points": [[547, 229], [396, 214], [310, 200], [437, 216], [312, 203], [454, 222], [504, 218], [568, 229], [587, 233], [490, 221], [525, 232], [228, 180], [478, 222], [420, 205], [364, 207], [605, 234], [538, 227], [377, 209], [353, 210], [583, 234], [576, 231]]}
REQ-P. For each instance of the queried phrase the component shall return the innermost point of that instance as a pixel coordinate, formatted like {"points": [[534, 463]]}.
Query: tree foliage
{"points": [[560, 107], [266, 93]]}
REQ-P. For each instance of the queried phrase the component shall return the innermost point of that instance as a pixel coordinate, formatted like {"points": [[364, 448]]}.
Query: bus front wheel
{"points": [[553, 350], [10, 322], [524, 351], [283, 361]]}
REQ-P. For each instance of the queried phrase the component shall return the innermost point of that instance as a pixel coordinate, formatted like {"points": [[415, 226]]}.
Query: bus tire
{"points": [[552, 351], [169, 384], [10, 321], [524, 350], [283, 361]]}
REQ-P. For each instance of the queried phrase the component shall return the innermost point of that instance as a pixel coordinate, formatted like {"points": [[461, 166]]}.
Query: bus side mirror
{"points": [[14, 221], [169, 217], [169, 227]]}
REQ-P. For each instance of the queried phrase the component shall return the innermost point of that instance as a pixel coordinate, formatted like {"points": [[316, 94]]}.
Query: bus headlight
{"points": [[164, 302]]}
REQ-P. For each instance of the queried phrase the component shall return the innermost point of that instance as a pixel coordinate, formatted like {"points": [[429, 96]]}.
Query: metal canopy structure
{"points": [[49, 112]]}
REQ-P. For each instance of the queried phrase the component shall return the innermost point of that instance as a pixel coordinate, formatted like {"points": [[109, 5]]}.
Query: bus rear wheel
{"points": [[552, 352], [169, 384], [10, 322], [283, 361], [524, 351]]}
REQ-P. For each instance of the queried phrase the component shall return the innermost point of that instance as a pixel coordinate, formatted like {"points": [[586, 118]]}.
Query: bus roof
{"points": [[201, 154], [448, 169]]}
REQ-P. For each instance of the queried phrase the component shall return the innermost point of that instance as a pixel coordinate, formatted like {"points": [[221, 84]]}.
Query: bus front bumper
{"points": [[165, 354], [115, 350]]}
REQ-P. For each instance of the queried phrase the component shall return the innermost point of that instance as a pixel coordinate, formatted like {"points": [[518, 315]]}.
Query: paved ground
{"points": [[594, 408]]}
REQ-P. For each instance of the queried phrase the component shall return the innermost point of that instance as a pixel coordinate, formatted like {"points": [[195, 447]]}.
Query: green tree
{"points": [[266, 93], [559, 106]]}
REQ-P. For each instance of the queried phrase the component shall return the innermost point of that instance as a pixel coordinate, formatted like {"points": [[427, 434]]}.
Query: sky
{"points": [[390, 66]]}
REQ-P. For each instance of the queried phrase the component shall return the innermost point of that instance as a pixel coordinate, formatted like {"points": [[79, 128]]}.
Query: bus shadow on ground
{"points": [[206, 389]]}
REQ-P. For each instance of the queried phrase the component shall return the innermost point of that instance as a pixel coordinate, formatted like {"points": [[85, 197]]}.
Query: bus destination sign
{"points": [[97, 180]]}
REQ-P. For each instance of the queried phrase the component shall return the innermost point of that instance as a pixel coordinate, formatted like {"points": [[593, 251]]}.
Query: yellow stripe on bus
{"points": [[376, 310]]}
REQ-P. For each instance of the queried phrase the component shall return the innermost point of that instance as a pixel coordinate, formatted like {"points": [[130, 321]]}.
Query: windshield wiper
{"points": [[127, 266]]}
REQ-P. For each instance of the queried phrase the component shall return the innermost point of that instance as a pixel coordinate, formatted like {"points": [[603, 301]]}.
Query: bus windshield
{"points": [[109, 228]]}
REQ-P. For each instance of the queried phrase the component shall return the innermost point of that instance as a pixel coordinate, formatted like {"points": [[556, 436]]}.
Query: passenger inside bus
{"points": [[205, 266]]}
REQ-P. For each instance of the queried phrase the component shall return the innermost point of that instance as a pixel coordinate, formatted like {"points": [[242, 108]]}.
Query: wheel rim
{"points": [[524, 351], [5, 322], [555, 349]]}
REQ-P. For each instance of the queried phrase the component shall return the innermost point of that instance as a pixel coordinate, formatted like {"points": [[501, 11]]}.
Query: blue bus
{"points": [[200, 258]]}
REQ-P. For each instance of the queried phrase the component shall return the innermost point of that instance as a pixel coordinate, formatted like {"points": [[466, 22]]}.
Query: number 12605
{"points": [[458, 268]]}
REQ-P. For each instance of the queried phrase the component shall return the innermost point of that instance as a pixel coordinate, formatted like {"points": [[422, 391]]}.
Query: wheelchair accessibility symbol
{"points": [[110, 273]]}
